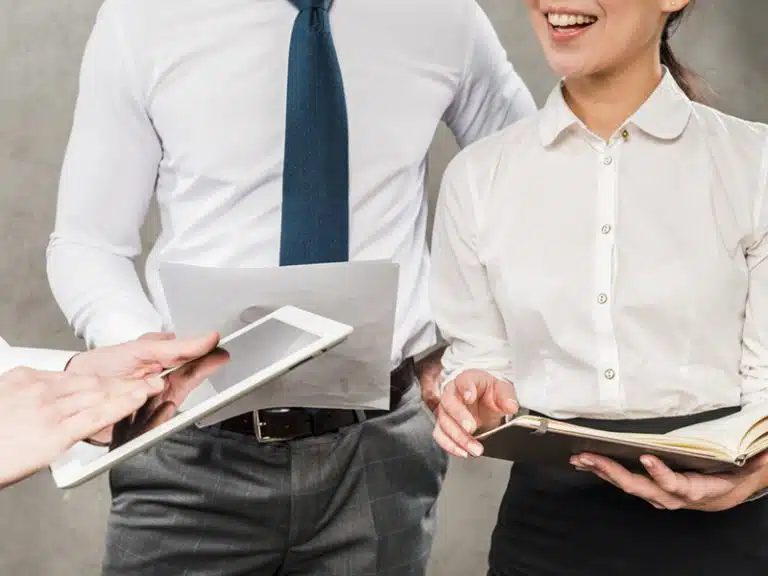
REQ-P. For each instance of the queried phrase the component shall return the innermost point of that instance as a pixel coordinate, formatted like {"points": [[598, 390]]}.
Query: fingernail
{"points": [[475, 449], [468, 425], [647, 462], [461, 453], [586, 461], [468, 396], [156, 383]]}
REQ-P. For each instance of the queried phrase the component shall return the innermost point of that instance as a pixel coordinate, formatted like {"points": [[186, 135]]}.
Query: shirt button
{"points": [[605, 229], [607, 160], [602, 298], [610, 374], [625, 134]]}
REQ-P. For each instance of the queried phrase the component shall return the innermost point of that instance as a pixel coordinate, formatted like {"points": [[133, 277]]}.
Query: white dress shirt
{"points": [[37, 358], [185, 99], [610, 279]]}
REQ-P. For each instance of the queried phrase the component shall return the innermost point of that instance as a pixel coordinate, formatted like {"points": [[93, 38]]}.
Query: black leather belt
{"points": [[283, 424]]}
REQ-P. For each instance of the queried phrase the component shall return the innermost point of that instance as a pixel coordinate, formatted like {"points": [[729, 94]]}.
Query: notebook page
{"points": [[728, 431]]}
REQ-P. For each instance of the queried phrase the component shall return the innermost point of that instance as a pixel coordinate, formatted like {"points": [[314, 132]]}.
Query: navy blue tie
{"points": [[315, 208]]}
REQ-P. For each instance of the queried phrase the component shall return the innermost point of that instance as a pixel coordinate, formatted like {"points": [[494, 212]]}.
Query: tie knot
{"points": [[302, 5]]}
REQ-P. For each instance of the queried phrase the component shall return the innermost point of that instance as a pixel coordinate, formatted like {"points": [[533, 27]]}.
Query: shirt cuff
{"points": [[37, 358], [118, 328]]}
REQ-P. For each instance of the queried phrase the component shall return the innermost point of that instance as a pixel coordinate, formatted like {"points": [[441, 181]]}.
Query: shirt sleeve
{"points": [[37, 358], [107, 181], [754, 359], [491, 94], [464, 306]]}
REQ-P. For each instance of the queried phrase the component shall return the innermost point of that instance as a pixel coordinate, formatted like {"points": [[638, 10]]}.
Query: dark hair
{"points": [[687, 79]]}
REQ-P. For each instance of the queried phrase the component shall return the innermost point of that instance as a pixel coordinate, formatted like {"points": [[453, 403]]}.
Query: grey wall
{"points": [[48, 533]]}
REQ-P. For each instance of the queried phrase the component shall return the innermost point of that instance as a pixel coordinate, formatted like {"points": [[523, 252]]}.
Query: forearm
{"points": [[99, 293], [106, 186]]}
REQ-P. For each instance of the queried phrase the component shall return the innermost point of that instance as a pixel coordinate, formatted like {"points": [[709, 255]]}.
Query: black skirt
{"points": [[562, 522]]}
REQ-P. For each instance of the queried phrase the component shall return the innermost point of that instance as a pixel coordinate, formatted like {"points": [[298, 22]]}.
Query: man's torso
{"points": [[213, 76]]}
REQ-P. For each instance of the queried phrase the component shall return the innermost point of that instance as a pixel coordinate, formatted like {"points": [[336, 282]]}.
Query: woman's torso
{"points": [[621, 268]]}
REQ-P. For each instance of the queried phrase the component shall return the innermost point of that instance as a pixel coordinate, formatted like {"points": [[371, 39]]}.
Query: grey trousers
{"points": [[212, 503]]}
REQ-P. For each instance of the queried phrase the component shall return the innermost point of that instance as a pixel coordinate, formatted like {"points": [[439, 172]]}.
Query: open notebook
{"points": [[716, 445]]}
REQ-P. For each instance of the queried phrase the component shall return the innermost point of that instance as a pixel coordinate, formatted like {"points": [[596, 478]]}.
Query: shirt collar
{"points": [[663, 115]]}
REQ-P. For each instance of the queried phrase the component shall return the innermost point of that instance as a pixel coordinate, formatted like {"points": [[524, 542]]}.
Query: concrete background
{"points": [[44, 532]]}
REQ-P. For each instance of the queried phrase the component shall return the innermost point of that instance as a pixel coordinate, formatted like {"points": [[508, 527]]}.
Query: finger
{"points": [[91, 420], [181, 382], [466, 387], [613, 483], [101, 391], [68, 405], [457, 433], [692, 487], [454, 403], [502, 397], [155, 385], [447, 444], [76, 384], [71, 383], [603, 477], [173, 352], [667, 480], [633, 484]]}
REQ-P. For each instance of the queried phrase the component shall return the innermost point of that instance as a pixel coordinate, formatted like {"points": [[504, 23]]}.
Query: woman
{"points": [[605, 259]]}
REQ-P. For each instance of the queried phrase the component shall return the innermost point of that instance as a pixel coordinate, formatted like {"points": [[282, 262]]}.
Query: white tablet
{"points": [[243, 361]]}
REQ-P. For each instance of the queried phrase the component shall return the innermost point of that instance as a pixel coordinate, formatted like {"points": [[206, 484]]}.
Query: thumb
{"points": [[501, 397], [174, 351]]}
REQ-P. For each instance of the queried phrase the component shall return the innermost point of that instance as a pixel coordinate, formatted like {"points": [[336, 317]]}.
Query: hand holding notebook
{"points": [[666, 489], [723, 444]]}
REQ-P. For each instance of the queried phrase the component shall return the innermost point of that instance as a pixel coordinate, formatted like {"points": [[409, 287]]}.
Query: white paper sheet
{"points": [[354, 375]]}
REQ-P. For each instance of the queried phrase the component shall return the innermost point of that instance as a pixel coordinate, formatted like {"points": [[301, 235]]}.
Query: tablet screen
{"points": [[232, 362]]}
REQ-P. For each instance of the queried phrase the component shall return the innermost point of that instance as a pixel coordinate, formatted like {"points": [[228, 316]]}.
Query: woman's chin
{"points": [[570, 66]]}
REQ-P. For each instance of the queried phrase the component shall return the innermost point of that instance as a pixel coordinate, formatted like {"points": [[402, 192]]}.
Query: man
{"points": [[272, 132], [46, 411]]}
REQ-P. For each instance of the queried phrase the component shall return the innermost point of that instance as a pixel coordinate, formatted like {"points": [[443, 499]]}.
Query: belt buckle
{"points": [[258, 425]]}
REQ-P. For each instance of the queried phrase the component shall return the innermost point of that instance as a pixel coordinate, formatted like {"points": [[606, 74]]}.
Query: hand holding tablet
{"points": [[242, 362]]}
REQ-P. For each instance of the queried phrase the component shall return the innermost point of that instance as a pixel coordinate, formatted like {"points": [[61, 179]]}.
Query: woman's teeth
{"points": [[565, 20]]}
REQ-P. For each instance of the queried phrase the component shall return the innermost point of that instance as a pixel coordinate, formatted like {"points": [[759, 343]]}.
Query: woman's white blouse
{"points": [[610, 279]]}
